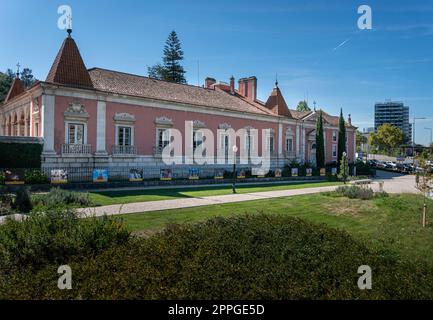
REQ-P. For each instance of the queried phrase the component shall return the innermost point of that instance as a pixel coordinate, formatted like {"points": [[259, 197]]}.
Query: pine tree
{"points": [[27, 77], [341, 137], [320, 142], [171, 69]]}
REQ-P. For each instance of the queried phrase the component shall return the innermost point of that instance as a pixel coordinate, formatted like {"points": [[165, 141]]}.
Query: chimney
{"points": [[248, 88], [349, 119], [252, 89], [209, 82], [232, 85]]}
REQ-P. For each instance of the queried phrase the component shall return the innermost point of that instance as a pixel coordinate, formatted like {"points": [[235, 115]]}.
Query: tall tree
{"points": [[387, 138], [27, 77], [303, 106], [320, 142], [341, 137], [171, 69], [360, 140], [5, 83]]}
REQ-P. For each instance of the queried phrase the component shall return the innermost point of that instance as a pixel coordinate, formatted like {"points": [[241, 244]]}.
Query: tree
{"points": [[320, 142], [171, 69], [344, 168], [7, 78], [360, 140], [303, 106], [424, 180], [386, 138], [27, 77], [341, 137]]}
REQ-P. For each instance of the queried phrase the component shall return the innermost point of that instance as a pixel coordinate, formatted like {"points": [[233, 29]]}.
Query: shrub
{"points": [[58, 198], [23, 201], [35, 177], [6, 201], [20, 155], [243, 257], [55, 237], [355, 192], [2, 177]]}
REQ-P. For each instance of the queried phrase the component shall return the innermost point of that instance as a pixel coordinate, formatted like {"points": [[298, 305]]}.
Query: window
{"points": [[197, 139], [75, 133], [249, 142], [124, 136], [163, 138], [289, 144], [334, 151], [270, 142], [224, 140], [334, 136]]}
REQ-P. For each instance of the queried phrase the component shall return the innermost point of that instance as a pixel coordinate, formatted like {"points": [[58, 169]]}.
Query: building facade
{"points": [[395, 113], [98, 118]]}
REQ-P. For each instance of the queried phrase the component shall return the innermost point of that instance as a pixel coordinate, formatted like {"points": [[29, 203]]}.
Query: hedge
{"points": [[20, 155], [243, 257]]}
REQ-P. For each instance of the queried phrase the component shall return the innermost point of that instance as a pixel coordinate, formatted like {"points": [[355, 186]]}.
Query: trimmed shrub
{"points": [[55, 237], [20, 155], [6, 201], [23, 202], [58, 198], [35, 177], [355, 192], [243, 257]]}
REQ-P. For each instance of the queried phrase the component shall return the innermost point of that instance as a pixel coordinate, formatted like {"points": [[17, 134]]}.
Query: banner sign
{"points": [[59, 176], [241, 174], [278, 173], [295, 172], [100, 175], [219, 174], [322, 172], [166, 174], [194, 174], [309, 172], [136, 175], [334, 171], [14, 176]]}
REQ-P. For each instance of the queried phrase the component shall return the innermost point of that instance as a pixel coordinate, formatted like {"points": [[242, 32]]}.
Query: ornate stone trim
{"points": [[197, 124], [124, 117], [163, 121], [76, 111], [224, 126]]}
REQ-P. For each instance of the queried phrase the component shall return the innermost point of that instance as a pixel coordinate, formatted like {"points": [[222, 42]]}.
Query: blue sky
{"points": [[296, 39]]}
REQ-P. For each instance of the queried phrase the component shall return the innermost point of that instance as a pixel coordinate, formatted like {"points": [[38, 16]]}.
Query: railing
{"points": [[122, 150], [69, 148], [290, 154]]}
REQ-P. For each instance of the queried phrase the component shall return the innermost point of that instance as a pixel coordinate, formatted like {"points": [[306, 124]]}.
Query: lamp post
{"points": [[413, 135], [235, 150]]}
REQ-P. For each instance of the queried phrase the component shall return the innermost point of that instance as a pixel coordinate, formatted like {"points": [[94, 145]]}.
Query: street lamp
{"points": [[413, 135], [235, 150]]}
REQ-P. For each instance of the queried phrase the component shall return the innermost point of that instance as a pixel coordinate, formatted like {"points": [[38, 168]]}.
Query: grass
{"points": [[392, 223], [127, 196]]}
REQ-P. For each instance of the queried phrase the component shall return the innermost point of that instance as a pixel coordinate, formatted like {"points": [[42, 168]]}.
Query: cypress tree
{"points": [[320, 142], [341, 137]]}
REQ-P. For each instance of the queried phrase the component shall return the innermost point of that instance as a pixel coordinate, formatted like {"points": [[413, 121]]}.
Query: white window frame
{"points": [[118, 126], [287, 145], [84, 124], [165, 133], [334, 146], [334, 136]]}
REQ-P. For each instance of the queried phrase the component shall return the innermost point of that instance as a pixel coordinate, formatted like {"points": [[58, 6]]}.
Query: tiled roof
{"points": [[68, 67], [16, 89], [139, 86], [277, 104]]}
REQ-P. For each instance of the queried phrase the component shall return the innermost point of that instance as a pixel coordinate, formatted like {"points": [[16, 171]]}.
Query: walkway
{"points": [[393, 183]]}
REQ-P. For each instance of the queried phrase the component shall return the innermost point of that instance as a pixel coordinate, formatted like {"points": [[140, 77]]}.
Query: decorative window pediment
{"points": [[163, 121], [224, 126], [197, 124], [76, 111], [124, 117], [289, 132], [249, 128]]}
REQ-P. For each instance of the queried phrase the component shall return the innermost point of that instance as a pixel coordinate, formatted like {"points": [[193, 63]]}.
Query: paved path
{"points": [[393, 183]]}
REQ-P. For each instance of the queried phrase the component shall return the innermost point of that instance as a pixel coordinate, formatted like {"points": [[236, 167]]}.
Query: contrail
{"points": [[341, 44]]}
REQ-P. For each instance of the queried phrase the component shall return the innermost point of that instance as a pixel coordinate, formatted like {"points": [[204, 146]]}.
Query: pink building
{"points": [[97, 118]]}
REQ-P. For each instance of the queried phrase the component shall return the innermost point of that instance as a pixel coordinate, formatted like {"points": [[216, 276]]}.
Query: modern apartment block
{"points": [[395, 113]]}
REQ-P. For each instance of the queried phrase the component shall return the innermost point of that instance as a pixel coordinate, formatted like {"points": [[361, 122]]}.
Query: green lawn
{"points": [[392, 223], [127, 196]]}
